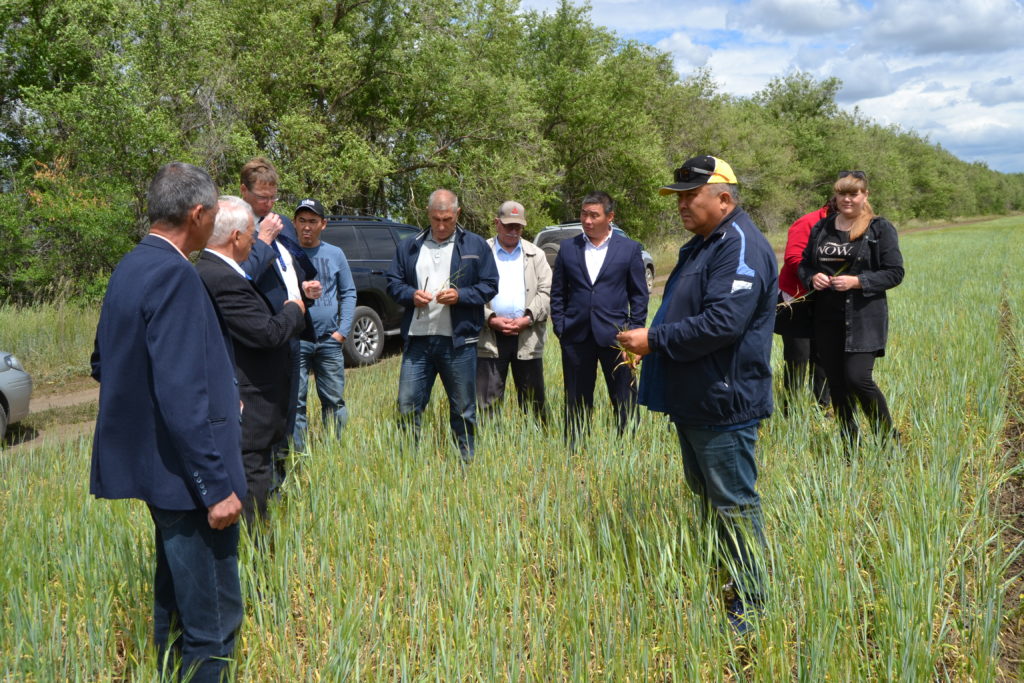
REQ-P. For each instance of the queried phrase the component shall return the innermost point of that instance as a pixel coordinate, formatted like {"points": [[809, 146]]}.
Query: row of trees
{"points": [[370, 104]]}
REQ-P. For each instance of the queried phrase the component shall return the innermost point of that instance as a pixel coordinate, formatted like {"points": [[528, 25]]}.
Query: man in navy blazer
{"points": [[598, 288], [167, 431]]}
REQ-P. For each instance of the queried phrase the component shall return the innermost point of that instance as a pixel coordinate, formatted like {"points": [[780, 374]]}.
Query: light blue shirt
{"points": [[510, 301]]}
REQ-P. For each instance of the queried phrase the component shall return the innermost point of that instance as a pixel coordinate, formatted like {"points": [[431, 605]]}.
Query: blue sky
{"points": [[951, 70]]}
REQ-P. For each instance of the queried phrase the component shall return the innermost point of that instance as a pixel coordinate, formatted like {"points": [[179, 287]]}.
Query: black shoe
{"points": [[743, 618]]}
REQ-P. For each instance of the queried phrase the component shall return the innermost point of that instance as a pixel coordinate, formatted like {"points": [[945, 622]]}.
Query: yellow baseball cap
{"points": [[699, 171]]}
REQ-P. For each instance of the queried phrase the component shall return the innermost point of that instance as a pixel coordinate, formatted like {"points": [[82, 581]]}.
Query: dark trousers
{"points": [[579, 369], [196, 588], [849, 379], [259, 475], [491, 374], [800, 357]]}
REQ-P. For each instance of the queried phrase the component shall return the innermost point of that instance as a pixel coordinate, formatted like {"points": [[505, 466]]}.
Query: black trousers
{"points": [[800, 357], [259, 475], [849, 379], [528, 375], [579, 369]]}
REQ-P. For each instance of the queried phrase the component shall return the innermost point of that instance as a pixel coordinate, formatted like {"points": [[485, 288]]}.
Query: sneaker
{"points": [[742, 618]]}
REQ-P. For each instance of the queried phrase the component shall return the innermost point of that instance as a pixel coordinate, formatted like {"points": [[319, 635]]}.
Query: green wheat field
{"points": [[537, 564]]}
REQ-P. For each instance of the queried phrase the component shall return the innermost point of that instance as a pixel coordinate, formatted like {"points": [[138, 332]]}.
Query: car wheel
{"points": [[365, 343], [649, 274], [3, 423]]}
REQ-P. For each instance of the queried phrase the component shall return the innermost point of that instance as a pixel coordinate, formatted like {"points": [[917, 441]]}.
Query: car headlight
{"points": [[13, 363]]}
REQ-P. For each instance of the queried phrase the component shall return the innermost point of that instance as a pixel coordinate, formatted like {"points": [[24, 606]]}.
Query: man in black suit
{"points": [[598, 288], [260, 341]]}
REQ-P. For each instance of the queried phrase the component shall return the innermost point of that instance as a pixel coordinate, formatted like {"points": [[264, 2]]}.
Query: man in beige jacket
{"points": [[516, 317]]}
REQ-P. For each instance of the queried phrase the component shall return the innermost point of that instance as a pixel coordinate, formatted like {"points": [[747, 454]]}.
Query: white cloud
{"points": [[687, 54], [945, 26], [998, 91], [797, 17]]}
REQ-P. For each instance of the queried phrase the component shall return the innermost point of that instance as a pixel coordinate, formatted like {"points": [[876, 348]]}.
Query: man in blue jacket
{"points": [[444, 276], [168, 425], [332, 321], [708, 366]]}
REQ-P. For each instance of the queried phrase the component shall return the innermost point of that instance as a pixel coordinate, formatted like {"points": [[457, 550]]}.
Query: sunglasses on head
{"points": [[859, 175], [688, 174]]}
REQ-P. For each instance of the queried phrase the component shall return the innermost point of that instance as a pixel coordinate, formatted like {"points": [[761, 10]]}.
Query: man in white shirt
{"points": [[516, 317]]}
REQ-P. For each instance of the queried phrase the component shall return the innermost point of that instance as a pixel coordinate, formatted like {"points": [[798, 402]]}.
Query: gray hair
{"points": [[234, 214], [176, 189], [442, 200], [731, 189]]}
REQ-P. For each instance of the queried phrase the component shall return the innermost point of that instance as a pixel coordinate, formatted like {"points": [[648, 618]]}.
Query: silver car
{"points": [[15, 391], [550, 240]]}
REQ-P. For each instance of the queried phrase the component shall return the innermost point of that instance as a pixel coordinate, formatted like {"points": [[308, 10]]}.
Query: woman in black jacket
{"points": [[851, 259]]}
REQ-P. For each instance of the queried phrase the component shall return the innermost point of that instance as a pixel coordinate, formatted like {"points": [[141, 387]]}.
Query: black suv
{"points": [[369, 245]]}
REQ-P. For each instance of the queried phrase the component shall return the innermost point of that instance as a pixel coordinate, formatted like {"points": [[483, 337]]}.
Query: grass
{"points": [[538, 564]]}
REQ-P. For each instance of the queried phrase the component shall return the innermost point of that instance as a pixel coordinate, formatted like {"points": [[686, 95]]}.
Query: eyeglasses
{"points": [[688, 174], [859, 175], [262, 197]]}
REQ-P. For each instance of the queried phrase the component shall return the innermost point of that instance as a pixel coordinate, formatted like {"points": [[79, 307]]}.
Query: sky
{"points": [[950, 70]]}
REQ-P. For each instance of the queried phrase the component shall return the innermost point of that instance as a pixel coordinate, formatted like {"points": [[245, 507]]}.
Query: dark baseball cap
{"points": [[310, 205], [700, 171]]}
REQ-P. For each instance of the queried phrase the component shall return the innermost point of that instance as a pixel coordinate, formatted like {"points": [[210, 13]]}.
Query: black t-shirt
{"points": [[834, 254]]}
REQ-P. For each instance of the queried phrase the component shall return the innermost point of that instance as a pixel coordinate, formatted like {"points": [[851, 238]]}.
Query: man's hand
{"points": [[270, 228], [421, 298], [635, 341], [312, 289], [448, 297], [502, 325], [338, 337], [298, 302], [225, 513]]}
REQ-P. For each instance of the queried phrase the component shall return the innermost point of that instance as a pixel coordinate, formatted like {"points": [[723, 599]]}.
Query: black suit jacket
{"points": [[260, 267], [262, 353]]}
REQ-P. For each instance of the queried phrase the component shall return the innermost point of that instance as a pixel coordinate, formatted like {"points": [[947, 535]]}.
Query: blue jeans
{"points": [[328, 364], [720, 468], [196, 588], [425, 358]]}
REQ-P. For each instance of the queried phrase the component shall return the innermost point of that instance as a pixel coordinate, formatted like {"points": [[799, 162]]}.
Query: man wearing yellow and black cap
{"points": [[708, 365]]}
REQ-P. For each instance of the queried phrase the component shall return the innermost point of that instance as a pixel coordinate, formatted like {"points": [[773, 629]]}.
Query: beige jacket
{"points": [[538, 303]]}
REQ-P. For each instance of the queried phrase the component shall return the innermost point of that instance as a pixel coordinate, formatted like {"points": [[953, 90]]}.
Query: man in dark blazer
{"points": [[281, 270], [168, 425], [260, 342], [598, 288]]}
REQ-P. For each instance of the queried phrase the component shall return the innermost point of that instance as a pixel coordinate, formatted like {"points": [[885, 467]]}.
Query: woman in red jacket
{"points": [[793, 318]]}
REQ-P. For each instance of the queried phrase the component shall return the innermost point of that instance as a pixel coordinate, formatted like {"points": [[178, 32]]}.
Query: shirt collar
{"points": [[499, 251], [231, 262], [155, 234]]}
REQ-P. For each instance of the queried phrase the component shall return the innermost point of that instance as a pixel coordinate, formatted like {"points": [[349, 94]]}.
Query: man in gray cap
{"points": [[516, 317], [707, 365]]}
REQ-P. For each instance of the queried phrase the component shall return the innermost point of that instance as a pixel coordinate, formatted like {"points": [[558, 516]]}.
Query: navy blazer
{"points": [[260, 343], [616, 301], [168, 425]]}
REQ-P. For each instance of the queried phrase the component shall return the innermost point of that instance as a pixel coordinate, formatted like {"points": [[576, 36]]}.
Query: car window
{"points": [[379, 242], [405, 233], [344, 236]]}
